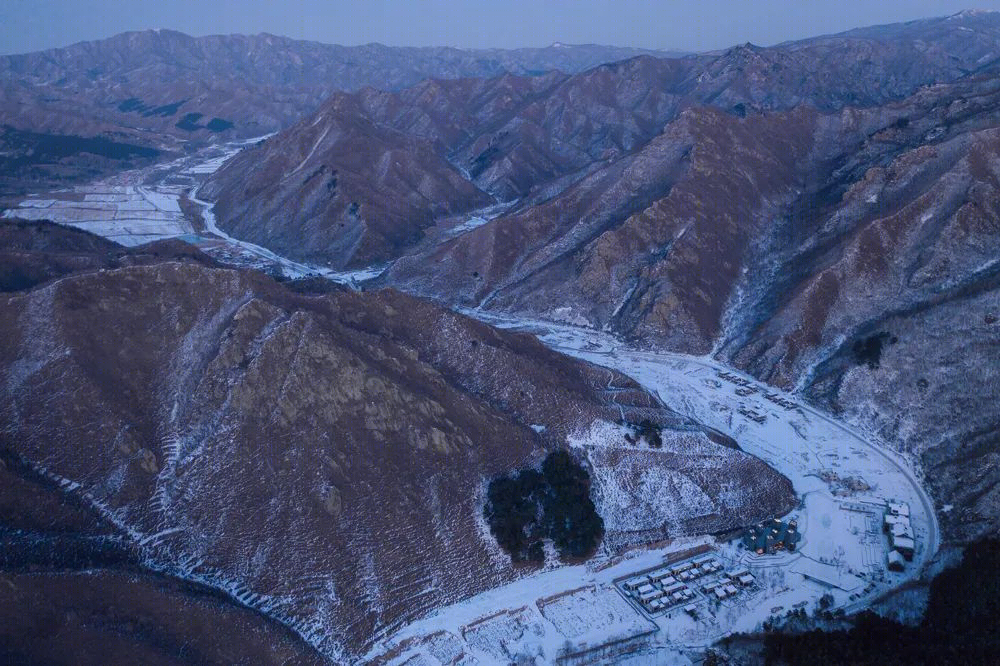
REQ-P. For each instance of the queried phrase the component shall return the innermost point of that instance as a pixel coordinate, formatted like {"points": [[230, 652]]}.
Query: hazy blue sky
{"points": [[28, 25]]}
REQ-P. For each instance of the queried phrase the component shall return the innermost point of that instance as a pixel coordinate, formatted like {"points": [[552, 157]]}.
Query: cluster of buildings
{"points": [[729, 585], [772, 536], [667, 587], [747, 387], [752, 414], [896, 523], [736, 379], [778, 400]]}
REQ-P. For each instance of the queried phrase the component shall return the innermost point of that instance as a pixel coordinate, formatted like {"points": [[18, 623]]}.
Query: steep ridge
{"points": [[530, 140], [627, 244], [888, 312], [68, 572], [318, 458], [362, 207], [35, 252], [435, 130]]}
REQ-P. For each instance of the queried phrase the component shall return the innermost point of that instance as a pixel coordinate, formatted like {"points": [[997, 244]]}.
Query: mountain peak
{"points": [[967, 13]]}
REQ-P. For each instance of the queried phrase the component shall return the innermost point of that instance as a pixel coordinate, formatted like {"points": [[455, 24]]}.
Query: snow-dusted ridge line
{"points": [[159, 557]]}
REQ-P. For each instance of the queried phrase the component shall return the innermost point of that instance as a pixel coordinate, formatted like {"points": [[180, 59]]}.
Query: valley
{"points": [[843, 479], [842, 553], [160, 202], [435, 356]]}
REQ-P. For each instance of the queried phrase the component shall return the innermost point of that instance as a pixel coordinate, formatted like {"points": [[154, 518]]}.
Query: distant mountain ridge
{"points": [[167, 91], [260, 82]]}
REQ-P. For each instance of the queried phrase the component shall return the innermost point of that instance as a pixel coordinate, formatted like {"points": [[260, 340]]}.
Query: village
{"points": [[701, 587]]}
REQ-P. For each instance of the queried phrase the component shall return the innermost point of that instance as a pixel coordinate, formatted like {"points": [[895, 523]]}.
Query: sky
{"points": [[689, 25]]}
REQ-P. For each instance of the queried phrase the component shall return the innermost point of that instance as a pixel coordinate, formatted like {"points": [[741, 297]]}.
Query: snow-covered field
{"points": [[144, 205], [127, 214], [843, 477], [132, 207]]}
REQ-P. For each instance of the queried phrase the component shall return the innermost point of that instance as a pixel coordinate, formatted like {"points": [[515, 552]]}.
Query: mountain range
{"points": [[165, 91], [788, 209], [305, 464]]}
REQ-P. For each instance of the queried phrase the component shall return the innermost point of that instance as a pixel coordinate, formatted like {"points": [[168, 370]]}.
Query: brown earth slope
{"points": [[320, 459]]}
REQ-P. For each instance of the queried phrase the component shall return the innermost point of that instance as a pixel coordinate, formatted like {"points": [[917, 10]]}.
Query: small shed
{"points": [[635, 583], [902, 529], [895, 561], [899, 509], [891, 520]]}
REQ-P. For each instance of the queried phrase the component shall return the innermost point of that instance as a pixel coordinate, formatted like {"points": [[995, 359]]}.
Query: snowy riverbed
{"points": [[144, 205]]}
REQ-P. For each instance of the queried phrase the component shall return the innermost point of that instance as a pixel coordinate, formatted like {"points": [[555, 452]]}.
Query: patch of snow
{"points": [[566, 314], [599, 433], [312, 151]]}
